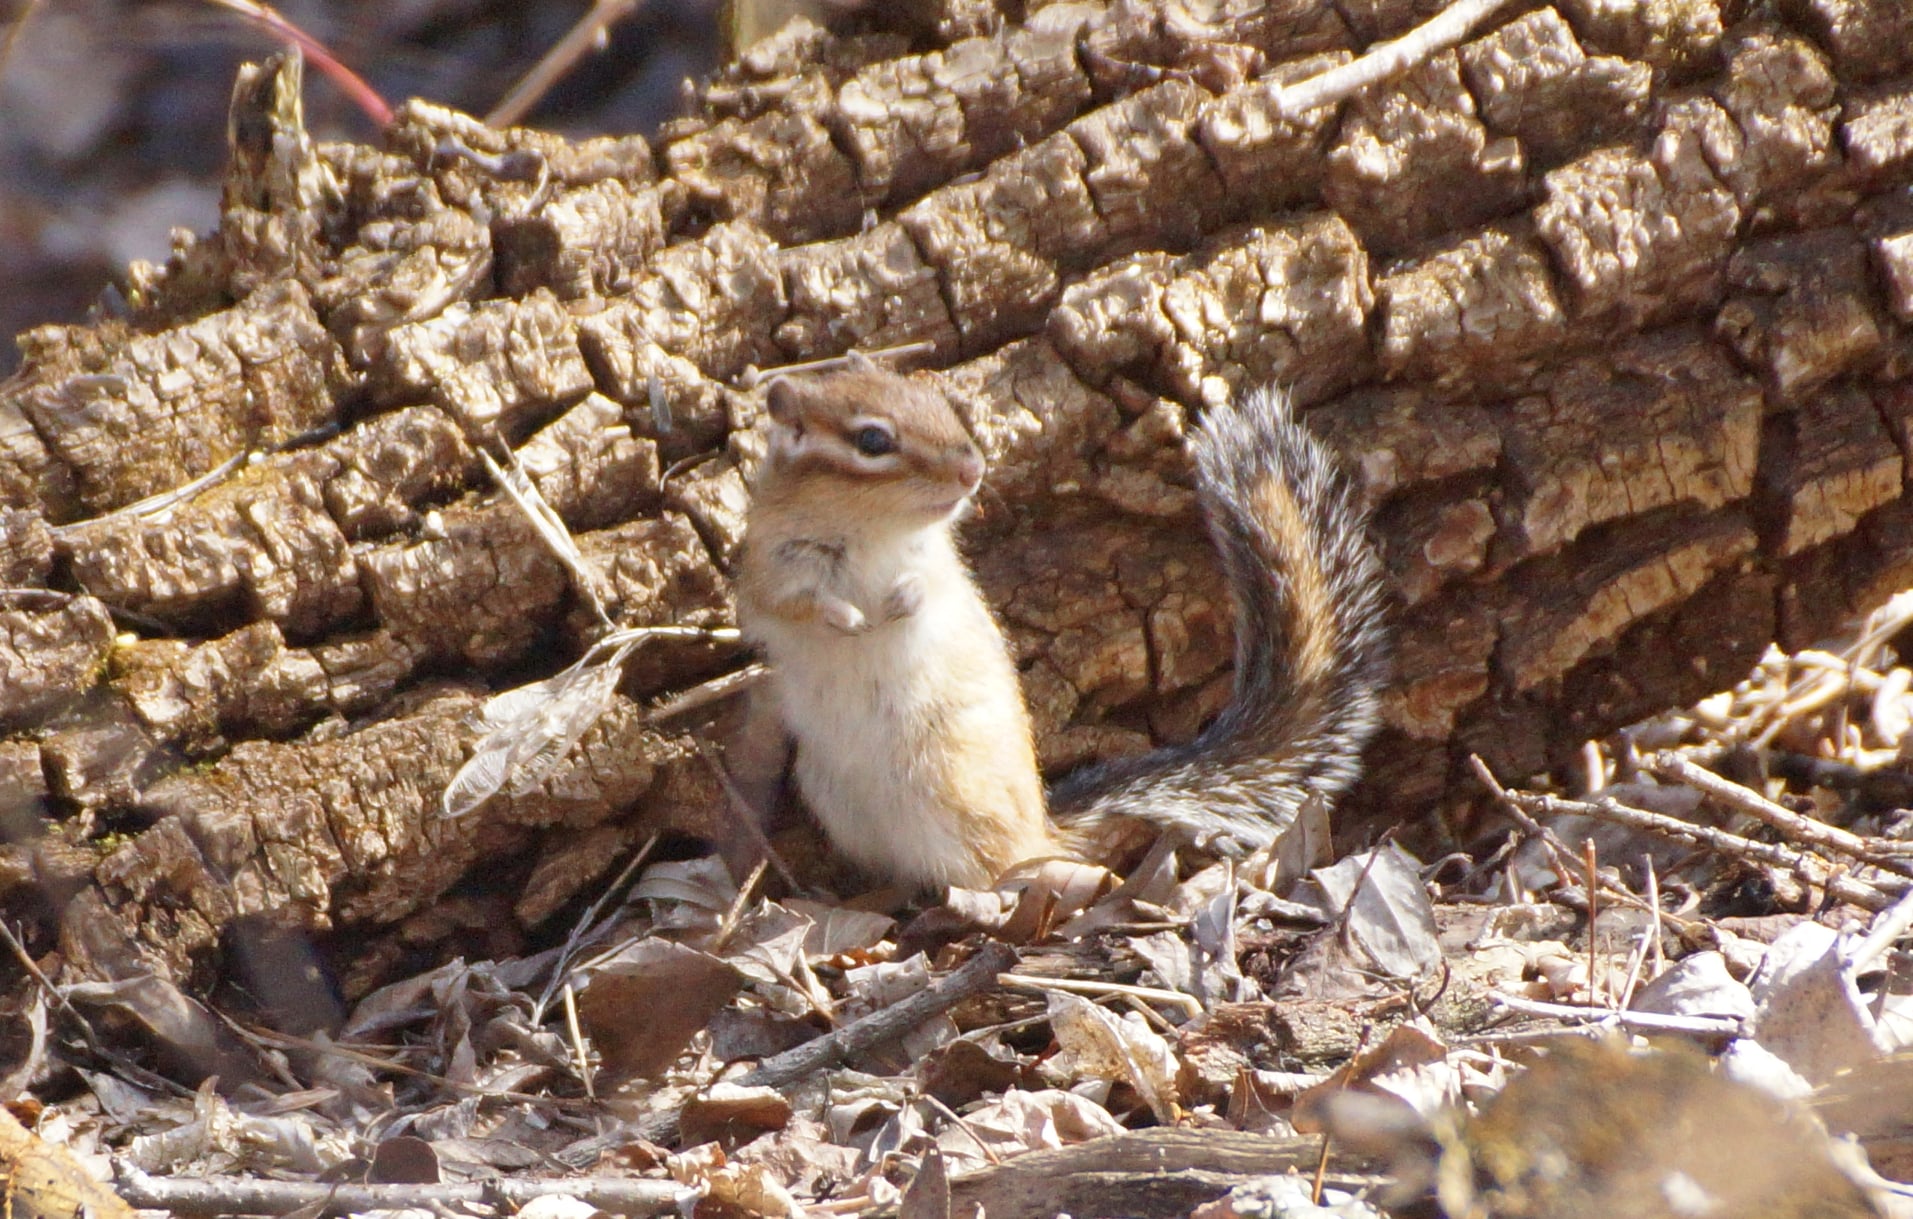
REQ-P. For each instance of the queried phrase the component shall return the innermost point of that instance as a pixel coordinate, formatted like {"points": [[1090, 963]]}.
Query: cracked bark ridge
{"points": [[1609, 310]]}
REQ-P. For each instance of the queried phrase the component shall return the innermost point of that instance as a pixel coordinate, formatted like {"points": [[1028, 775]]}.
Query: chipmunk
{"points": [[894, 680]]}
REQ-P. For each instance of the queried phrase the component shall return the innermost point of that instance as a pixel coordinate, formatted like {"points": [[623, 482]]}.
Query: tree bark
{"points": [[1609, 310]]}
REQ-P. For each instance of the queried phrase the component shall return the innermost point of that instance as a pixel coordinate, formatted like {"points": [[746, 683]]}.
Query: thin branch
{"points": [[1715, 1026], [1548, 806], [336, 1049], [1891, 924], [250, 1196], [753, 376], [1385, 60], [153, 505], [586, 579], [586, 928], [579, 39], [1797, 828], [1189, 1005], [860, 1036], [746, 817], [704, 694], [130, 1070], [1842, 887]]}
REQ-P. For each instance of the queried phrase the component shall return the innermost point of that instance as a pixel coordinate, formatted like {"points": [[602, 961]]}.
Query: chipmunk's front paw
{"points": [[905, 597], [842, 616]]}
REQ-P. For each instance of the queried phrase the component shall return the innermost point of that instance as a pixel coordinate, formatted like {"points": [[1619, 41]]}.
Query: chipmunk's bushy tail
{"points": [[1310, 649]]}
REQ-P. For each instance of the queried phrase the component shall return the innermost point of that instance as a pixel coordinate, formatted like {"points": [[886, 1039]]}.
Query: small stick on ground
{"points": [[1591, 861], [1796, 827], [1814, 870], [860, 1036], [1887, 928], [1523, 807], [1705, 1026], [1654, 907], [977, 975], [250, 1196], [1189, 1005]]}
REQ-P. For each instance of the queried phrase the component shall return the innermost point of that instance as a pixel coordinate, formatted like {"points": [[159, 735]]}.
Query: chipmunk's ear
{"points": [[784, 400], [857, 361]]}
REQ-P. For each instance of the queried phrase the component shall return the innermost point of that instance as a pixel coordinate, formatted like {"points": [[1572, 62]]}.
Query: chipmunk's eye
{"points": [[874, 441]]}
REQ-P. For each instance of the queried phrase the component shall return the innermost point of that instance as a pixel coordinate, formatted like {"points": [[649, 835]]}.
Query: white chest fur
{"points": [[873, 713]]}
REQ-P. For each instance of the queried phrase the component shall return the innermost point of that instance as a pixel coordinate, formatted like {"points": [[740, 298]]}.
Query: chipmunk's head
{"points": [[872, 442]]}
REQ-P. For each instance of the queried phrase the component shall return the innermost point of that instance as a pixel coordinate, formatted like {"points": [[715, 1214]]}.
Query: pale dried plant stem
{"points": [[1188, 1004], [1386, 59], [562, 57], [1651, 1021], [1517, 806], [577, 1035], [1891, 924], [257, 1196], [753, 377], [523, 493], [334, 1049], [587, 927], [1591, 861], [155, 505]]}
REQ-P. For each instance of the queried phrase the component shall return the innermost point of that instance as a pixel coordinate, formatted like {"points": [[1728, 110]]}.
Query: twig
{"points": [[727, 926], [131, 1070], [586, 579], [1654, 906], [745, 814], [1594, 909], [1797, 828], [1891, 924], [1636, 957], [576, 1033], [335, 1049], [962, 1123], [1842, 887], [549, 70], [586, 927], [866, 1033], [1558, 852], [1188, 1004], [1563, 858], [705, 693], [752, 377], [977, 975], [1386, 59], [250, 1196], [153, 505], [1719, 1026]]}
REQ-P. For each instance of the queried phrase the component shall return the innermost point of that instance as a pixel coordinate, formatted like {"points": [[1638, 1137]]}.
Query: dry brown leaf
{"points": [[642, 1009]]}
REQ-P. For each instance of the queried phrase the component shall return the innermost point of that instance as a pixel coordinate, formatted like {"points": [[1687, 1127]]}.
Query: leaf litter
{"points": [[1598, 1012]]}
